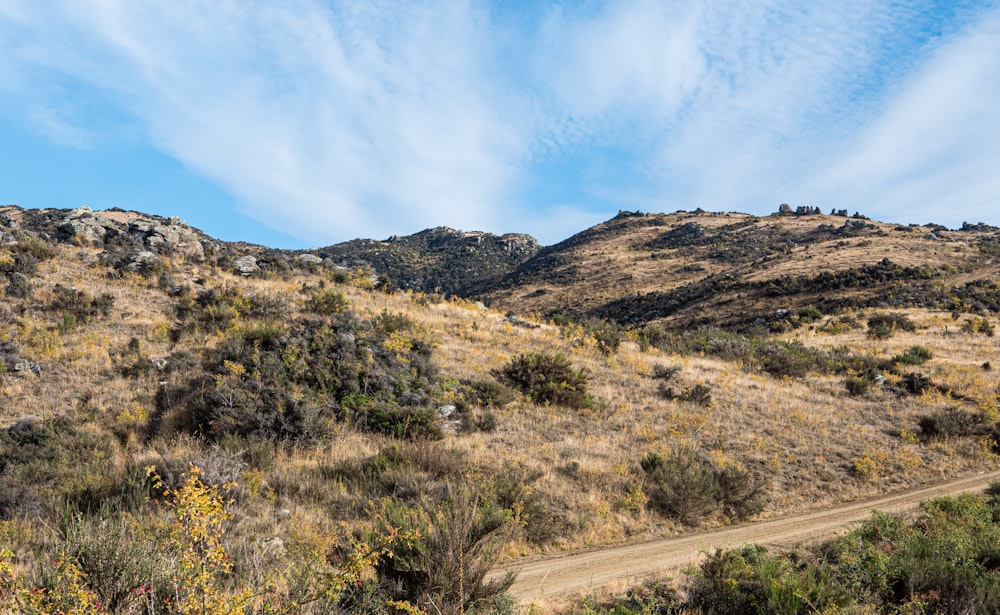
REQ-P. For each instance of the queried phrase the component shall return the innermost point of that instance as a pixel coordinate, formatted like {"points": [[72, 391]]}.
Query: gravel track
{"points": [[568, 574]]}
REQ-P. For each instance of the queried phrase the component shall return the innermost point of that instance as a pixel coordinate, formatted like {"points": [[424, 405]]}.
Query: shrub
{"points": [[78, 305], [45, 464], [916, 383], [748, 580], [117, 560], [490, 393], [742, 493], [18, 286], [953, 422], [790, 360], [608, 336], [666, 372], [403, 422], [914, 355], [978, 325], [698, 394], [547, 378], [883, 326], [326, 302], [686, 485], [295, 383], [454, 541]]}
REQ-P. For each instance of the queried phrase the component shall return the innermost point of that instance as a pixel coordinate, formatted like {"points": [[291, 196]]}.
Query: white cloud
{"points": [[334, 120], [326, 122], [931, 154]]}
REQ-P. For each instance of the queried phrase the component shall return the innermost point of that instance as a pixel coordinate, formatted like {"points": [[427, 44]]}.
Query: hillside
{"points": [[353, 420], [737, 270], [438, 260]]}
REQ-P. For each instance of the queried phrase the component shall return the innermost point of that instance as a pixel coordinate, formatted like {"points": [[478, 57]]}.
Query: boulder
{"points": [[308, 259], [143, 261], [87, 230], [23, 365], [245, 265]]}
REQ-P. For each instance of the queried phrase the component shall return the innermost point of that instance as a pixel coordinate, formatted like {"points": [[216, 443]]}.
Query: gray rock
{"points": [[26, 423], [23, 365], [245, 265], [931, 237], [89, 230], [274, 544], [143, 260], [445, 411], [308, 259], [141, 226]]}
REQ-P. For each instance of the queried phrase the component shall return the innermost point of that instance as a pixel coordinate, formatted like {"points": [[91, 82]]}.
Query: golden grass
{"points": [[817, 444]]}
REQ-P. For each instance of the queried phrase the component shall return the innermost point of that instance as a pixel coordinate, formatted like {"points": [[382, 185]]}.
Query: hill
{"points": [[737, 270], [438, 260], [343, 419]]}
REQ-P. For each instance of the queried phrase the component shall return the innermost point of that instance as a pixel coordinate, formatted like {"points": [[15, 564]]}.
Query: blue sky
{"points": [[302, 123]]}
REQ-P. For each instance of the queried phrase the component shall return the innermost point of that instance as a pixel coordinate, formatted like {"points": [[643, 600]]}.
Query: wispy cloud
{"points": [[932, 152], [326, 122], [334, 120]]}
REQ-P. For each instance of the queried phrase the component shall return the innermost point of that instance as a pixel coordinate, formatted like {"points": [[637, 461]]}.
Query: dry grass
{"points": [[816, 444]]}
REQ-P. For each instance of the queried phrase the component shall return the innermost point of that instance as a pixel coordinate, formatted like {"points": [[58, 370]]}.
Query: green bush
{"points": [[18, 286], [326, 302], [953, 422], [547, 378], [79, 307], [666, 372], [686, 485], [683, 485], [607, 335], [403, 422], [978, 325], [914, 355], [748, 581], [46, 465], [490, 393], [742, 494], [294, 382], [857, 385], [698, 394], [883, 326], [457, 539]]}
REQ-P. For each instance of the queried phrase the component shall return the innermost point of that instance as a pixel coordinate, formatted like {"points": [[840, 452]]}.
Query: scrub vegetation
{"points": [[182, 434]]}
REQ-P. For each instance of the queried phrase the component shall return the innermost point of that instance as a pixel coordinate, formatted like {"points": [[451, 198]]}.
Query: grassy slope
{"points": [[580, 466], [736, 268]]}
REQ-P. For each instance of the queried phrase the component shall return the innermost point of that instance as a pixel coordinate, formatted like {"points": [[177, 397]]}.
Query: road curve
{"points": [[582, 572]]}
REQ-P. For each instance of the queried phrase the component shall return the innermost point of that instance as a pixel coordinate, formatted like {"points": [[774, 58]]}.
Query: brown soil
{"points": [[550, 578]]}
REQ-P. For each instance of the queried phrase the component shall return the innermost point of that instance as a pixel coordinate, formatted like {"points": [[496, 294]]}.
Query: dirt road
{"points": [[582, 572]]}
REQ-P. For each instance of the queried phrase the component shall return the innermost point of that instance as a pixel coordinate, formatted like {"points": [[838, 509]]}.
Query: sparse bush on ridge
{"points": [[778, 358]]}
